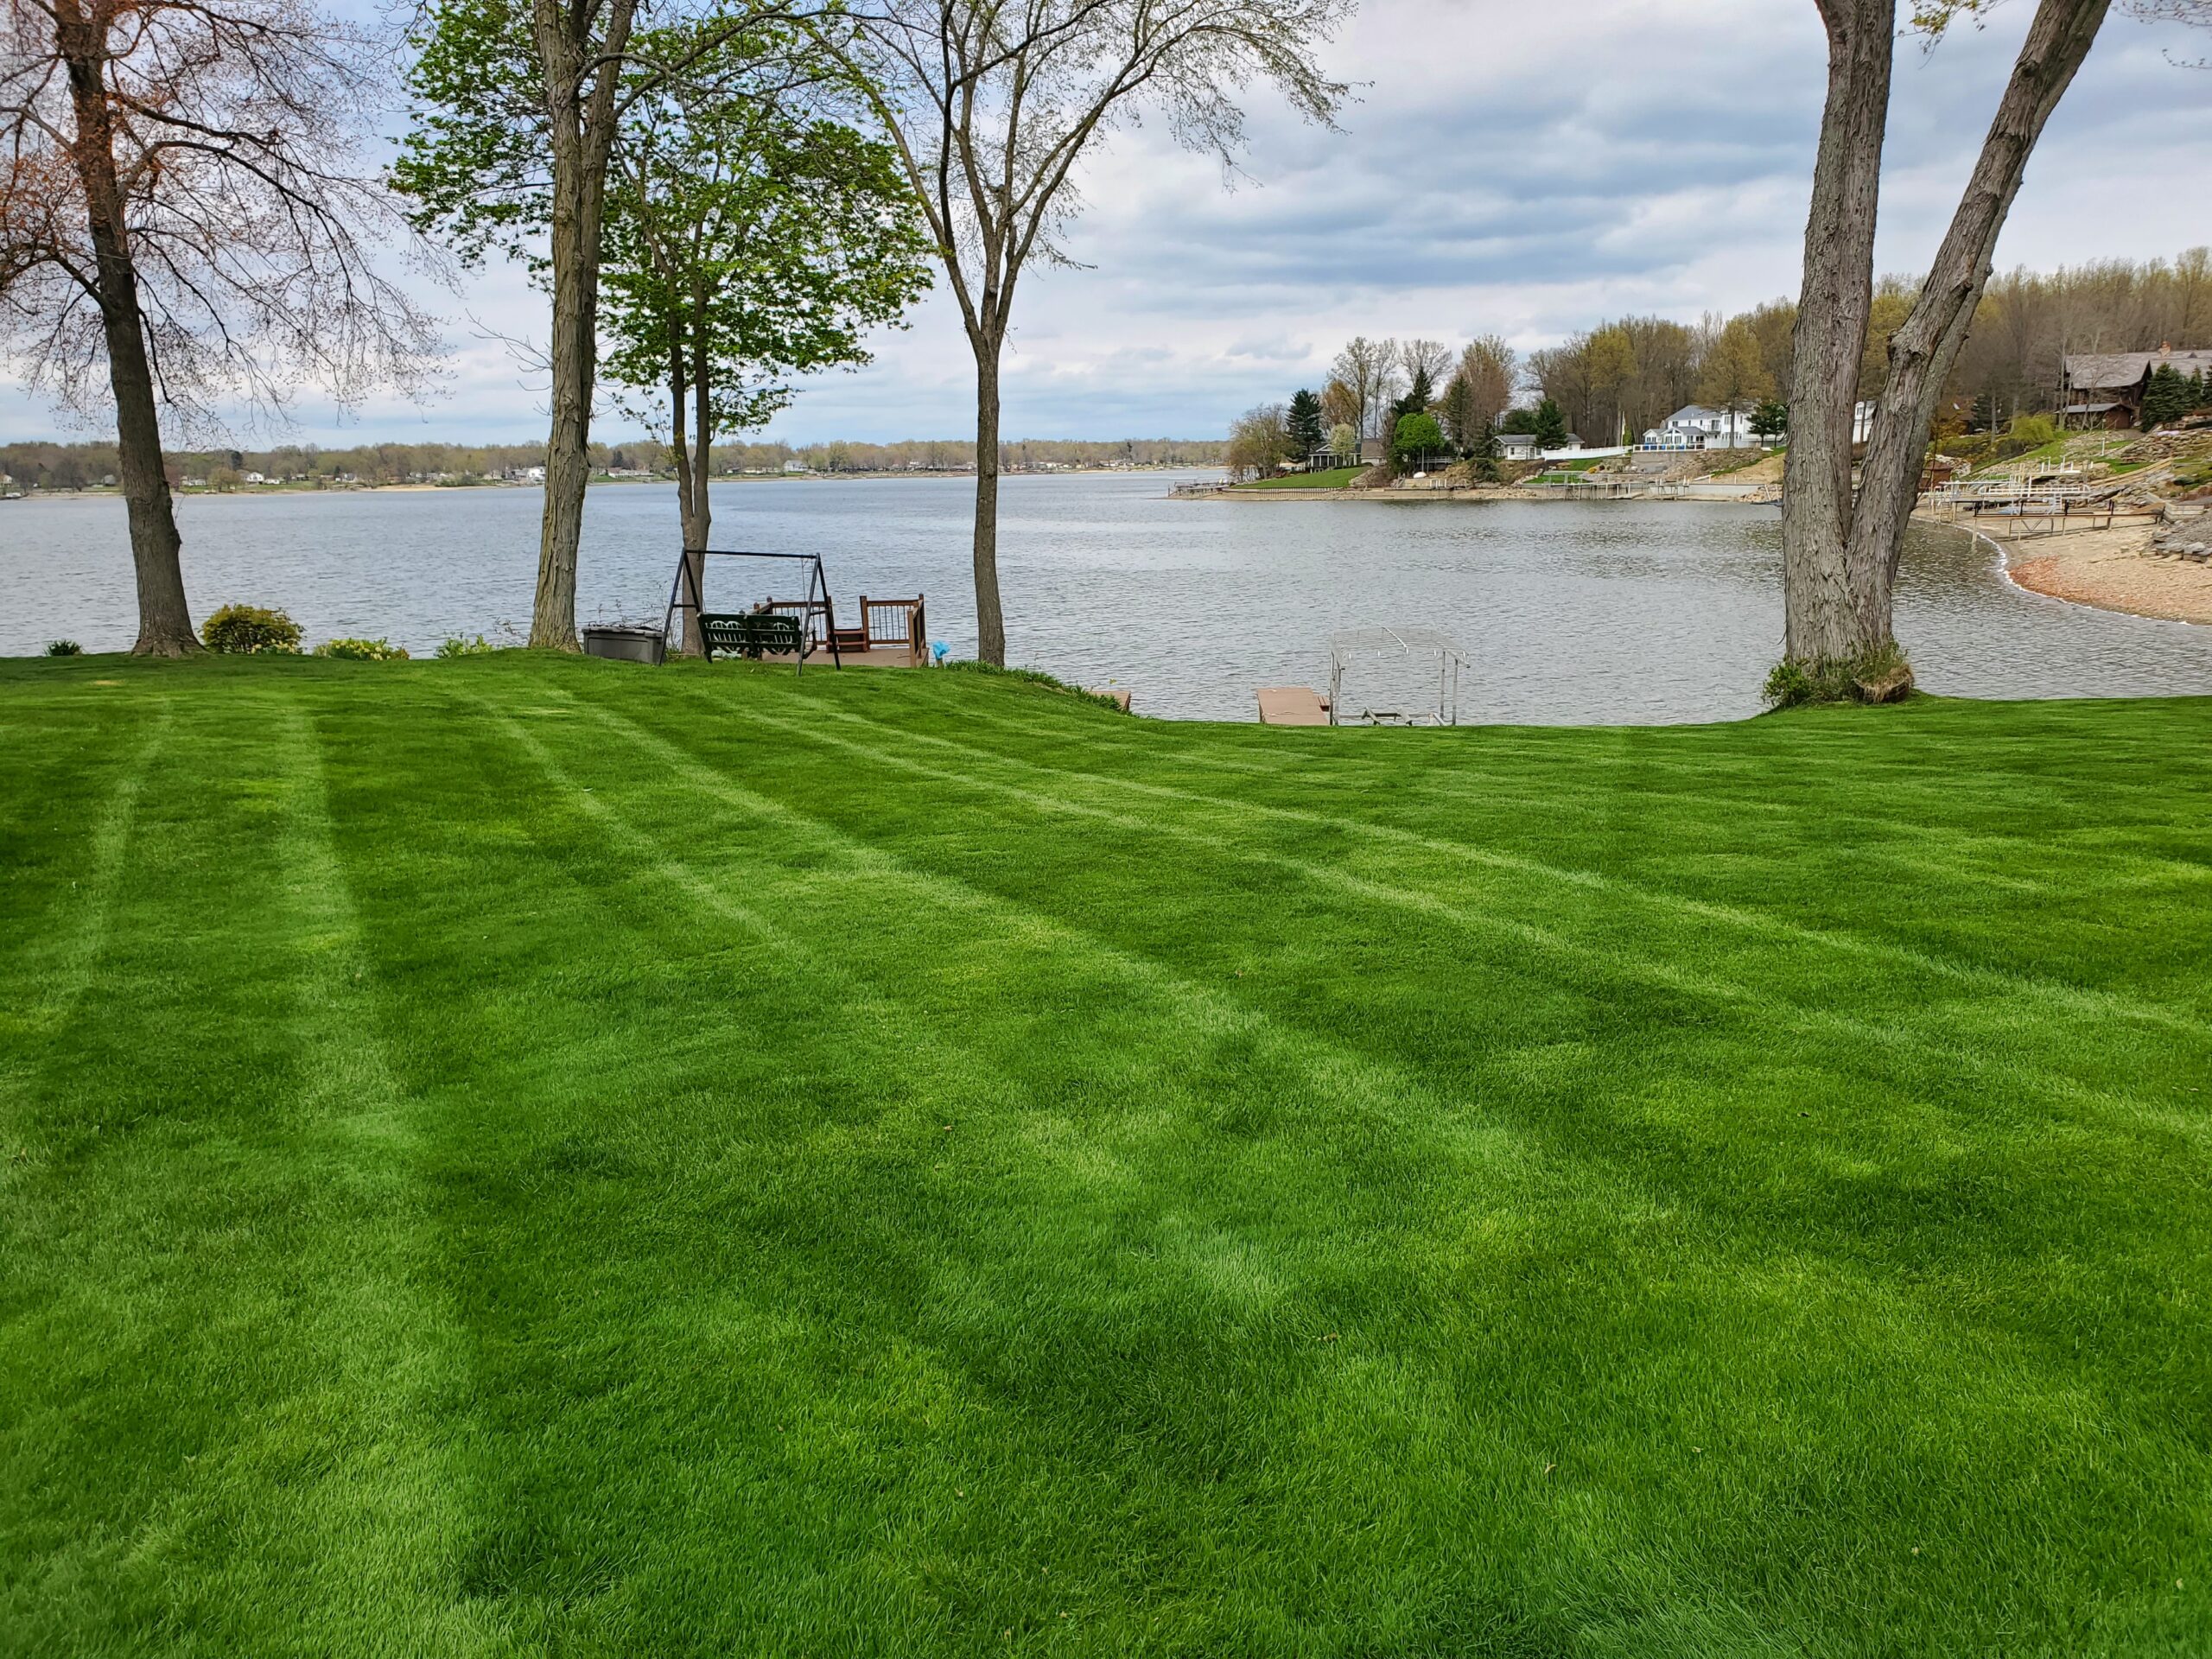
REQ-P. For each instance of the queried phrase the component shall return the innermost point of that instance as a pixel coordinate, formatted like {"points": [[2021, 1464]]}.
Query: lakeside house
{"points": [[1694, 426], [2106, 387]]}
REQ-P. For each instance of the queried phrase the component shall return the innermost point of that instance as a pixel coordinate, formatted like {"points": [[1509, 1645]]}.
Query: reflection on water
{"points": [[1585, 612]]}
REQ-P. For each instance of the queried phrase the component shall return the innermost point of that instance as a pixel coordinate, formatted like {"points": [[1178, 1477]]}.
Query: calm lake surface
{"points": [[1602, 612]]}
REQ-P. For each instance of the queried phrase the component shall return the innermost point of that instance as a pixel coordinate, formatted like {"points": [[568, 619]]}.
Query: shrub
{"points": [[362, 650], [251, 630], [1830, 679], [464, 645], [64, 648]]}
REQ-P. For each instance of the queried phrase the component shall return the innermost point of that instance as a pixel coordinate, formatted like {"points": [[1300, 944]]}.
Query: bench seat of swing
{"points": [[753, 633]]}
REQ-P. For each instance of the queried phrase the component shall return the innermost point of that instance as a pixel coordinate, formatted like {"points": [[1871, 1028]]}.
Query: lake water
{"points": [[1575, 612]]}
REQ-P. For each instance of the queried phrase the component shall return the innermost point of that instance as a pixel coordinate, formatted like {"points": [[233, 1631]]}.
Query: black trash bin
{"points": [[627, 644]]}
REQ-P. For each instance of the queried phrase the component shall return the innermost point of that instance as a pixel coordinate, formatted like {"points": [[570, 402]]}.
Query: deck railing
{"points": [[894, 625]]}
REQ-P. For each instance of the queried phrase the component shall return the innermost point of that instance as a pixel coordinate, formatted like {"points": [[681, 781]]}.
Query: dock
{"points": [[1292, 705]]}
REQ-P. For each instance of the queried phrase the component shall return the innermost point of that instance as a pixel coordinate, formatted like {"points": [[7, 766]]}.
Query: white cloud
{"points": [[1501, 171]]}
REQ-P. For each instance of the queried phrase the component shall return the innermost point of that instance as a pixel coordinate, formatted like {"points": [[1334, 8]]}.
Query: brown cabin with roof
{"points": [[2106, 388]]}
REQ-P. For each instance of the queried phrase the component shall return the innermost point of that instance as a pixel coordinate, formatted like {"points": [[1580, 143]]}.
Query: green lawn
{"points": [[525, 1155], [1335, 478]]}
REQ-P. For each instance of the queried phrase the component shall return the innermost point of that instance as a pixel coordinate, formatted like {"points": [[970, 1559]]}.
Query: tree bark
{"points": [[1924, 349], [1840, 553], [164, 617], [1821, 622], [990, 619], [692, 582], [581, 128]]}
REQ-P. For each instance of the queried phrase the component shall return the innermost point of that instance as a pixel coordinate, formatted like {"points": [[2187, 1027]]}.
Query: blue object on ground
{"points": [[939, 650]]}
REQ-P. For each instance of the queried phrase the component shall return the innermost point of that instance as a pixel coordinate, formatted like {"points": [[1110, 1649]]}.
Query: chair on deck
{"points": [[755, 634]]}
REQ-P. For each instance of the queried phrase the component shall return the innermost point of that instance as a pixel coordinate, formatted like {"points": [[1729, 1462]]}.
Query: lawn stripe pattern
{"points": [[550, 1156]]}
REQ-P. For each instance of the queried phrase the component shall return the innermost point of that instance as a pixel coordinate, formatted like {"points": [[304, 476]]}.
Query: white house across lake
{"points": [[1695, 427]]}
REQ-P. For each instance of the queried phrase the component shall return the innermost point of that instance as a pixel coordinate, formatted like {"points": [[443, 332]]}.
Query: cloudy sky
{"points": [[1523, 168]]}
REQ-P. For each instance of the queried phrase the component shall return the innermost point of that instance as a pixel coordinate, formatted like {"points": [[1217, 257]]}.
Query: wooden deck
{"points": [[1292, 705]]}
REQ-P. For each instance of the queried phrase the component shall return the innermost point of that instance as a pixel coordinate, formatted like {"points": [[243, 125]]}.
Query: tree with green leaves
{"points": [[1305, 423], [751, 236], [1482, 450], [1548, 424], [1769, 420], [1418, 436], [516, 107]]}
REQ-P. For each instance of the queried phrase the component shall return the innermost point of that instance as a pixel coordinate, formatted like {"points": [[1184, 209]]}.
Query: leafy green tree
{"points": [[1417, 436], [1521, 422], [750, 239], [1549, 426], [1771, 419], [516, 109], [1305, 423]]}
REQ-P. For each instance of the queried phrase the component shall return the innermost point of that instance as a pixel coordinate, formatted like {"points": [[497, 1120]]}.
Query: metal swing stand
{"points": [[779, 627]]}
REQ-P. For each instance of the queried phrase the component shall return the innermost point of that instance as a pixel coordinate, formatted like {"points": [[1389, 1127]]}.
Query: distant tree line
{"points": [[52, 466], [1613, 383]]}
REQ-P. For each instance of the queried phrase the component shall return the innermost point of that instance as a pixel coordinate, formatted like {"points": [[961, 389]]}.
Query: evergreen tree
{"points": [[1419, 396], [1551, 426], [2167, 398], [1306, 434], [1518, 421], [1484, 451]]}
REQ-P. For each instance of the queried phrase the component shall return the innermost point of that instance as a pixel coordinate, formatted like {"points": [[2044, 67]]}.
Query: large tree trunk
{"points": [[692, 580], [1840, 553], [990, 619], [1924, 349], [1822, 621], [581, 129], [164, 619]]}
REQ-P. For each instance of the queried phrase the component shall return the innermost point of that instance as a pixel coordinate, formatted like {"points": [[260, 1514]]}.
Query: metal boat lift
{"points": [[1399, 653]]}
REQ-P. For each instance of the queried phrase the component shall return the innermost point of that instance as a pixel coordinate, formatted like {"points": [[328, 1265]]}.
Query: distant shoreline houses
{"points": [[2107, 388]]}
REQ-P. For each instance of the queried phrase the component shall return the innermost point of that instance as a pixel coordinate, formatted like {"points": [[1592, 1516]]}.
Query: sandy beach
{"points": [[2112, 569]]}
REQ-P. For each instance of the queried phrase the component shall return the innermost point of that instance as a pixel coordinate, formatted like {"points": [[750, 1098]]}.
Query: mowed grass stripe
{"points": [[2080, 1002], [2085, 999], [1174, 1040], [226, 1385], [1509, 782], [1918, 1084]]}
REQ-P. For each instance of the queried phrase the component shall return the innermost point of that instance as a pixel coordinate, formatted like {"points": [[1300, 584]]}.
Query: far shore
{"points": [[248, 491]]}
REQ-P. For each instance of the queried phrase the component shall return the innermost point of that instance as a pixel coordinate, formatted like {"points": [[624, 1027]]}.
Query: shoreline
{"points": [[2106, 570]]}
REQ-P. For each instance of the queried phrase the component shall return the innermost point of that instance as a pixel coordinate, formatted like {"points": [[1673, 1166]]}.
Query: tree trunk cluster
{"points": [[1842, 545]]}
